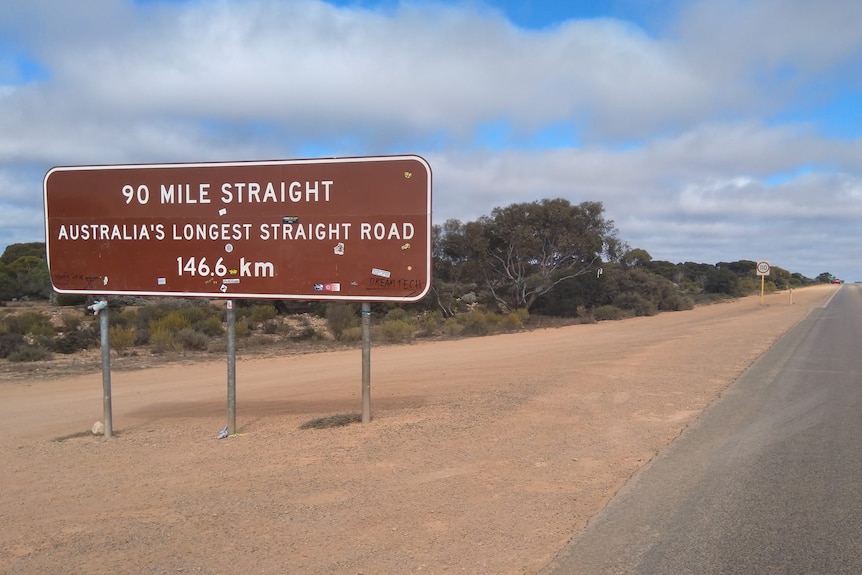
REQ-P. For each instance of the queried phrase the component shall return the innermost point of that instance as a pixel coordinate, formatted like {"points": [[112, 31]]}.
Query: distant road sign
{"points": [[763, 268], [344, 229]]}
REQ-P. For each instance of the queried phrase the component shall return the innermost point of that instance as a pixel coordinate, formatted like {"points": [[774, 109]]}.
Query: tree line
{"points": [[546, 257], [552, 257]]}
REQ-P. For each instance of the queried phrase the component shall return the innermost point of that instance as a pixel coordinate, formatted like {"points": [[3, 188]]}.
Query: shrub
{"points": [[121, 337], [397, 331], [76, 340], [429, 323], [173, 321], [163, 331], [30, 322], [43, 330], [340, 316], [253, 342], [515, 320], [636, 303], [189, 339], [162, 339], [585, 315], [608, 312], [306, 330], [211, 326], [304, 333], [452, 327], [261, 313], [30, 353], [476, 323], [142, 335], [68, 300], [217, 346], [748, 285], [676, 302], [10, 343], [193, 314], [283, 328], [351, 334], [146, 315], [123, 317], [72, 321], [398, 314], [242, 328]]}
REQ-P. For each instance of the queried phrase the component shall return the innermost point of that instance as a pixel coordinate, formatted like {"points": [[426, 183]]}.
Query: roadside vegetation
{"points": [[523, 266]]}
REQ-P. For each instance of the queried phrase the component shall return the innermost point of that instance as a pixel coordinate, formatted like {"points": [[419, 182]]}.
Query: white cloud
{"points": [[313, 67], [810, 37]]}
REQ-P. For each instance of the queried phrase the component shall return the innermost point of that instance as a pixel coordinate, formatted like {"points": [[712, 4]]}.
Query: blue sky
{"points": [[711, 130]]}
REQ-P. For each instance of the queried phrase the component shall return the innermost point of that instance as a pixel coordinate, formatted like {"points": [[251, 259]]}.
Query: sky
{"points": [[710, 130]]}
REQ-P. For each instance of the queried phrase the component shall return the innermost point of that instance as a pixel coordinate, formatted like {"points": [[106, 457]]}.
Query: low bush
{"points": [[72, 321], [121, 337], [270, 327], [242, 328], [636, 303], [608, 313], [10, 343], [68, 300], [477, 323], [145, 316], [172, 321], [211, 326], [397, 331], [162, 339], [142, 335], [260, 313], [253, 342], [340, 317], [76, 340], [29, 322], [30, 353], [676, 302], [123, 317], [351, 334], [452, 327], [191, 340], [429, 323], [515, 320], [399, 314]]}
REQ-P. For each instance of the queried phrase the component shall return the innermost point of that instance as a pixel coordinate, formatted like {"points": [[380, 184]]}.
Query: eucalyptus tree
{"points": [[524, 250]]}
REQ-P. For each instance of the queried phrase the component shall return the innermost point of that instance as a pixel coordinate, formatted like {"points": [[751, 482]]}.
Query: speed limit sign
{"points": [[763, 268]]}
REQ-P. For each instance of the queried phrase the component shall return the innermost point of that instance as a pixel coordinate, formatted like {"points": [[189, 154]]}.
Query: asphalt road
{"points": [[767, 481]]}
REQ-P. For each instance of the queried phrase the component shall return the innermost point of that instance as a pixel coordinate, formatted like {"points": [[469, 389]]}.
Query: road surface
{"points": [[768, 479]]}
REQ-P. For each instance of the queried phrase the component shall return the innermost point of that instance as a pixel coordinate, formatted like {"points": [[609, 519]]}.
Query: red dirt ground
{"points": [[484, 456]]}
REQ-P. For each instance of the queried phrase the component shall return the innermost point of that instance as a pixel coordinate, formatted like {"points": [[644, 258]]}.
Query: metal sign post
{"points": [[104, 328], [366, 362], [231, 367]]}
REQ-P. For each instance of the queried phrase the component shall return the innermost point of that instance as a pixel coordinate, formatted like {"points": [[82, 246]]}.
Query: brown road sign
{"points": [[355, 229]]}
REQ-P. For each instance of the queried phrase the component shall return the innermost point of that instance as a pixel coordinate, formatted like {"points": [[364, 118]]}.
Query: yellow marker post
{"points": [[763, 271]]}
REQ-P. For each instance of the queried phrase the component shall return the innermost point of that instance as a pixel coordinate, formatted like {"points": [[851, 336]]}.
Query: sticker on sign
{"points": [[276, 229]]}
